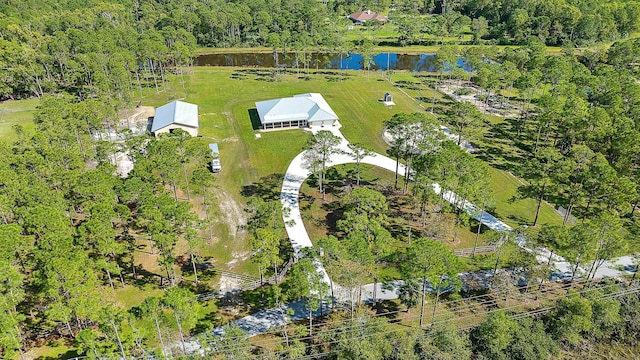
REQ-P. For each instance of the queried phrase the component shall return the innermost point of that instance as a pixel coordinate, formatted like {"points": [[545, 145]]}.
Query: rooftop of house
{"points": [[310, 107], [366, 15], [176, 112]]}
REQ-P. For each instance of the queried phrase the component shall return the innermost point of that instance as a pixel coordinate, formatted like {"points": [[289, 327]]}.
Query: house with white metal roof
{"points": [[297, 111], [176, 115]]}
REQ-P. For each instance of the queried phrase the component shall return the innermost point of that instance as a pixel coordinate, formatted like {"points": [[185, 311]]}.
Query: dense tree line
{"points": [[94, 50], [71, 227], [575, 127], [115, 47], [554, 22], [579, 323], [583, 138]]}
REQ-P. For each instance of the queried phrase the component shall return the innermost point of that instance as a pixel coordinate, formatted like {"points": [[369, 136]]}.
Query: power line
{"points": [[400, 321], [360, 322]]}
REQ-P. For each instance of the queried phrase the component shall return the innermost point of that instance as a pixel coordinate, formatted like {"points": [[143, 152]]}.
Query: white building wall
{"points": [[192, 131], [322, 123]]}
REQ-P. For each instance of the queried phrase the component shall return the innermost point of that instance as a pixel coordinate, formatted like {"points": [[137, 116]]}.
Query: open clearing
{"points": [[255, 166], [16, 112]]}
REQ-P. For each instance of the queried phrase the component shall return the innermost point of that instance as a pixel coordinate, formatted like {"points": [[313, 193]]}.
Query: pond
{"points": [[384, 61]]}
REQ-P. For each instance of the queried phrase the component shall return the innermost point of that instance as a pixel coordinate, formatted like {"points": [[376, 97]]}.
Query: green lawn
{"points": [[253, 166], [16, 112], [52, 350], [516, 212], [132, 295]]}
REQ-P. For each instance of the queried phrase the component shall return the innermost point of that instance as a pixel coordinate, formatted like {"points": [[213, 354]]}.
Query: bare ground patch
{"points": [[497, 106], [231, 212]]}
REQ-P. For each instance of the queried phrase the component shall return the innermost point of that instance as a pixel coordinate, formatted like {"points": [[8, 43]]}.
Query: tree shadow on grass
{"points": [[145, 277], [519, 219], [71, 354], [206, 272], [390, 309], [335, 212], [207, 323], [258, 74], [410, 85], [268, 188], [503, 150], [397, 229], [255, 118], [473, 227]]}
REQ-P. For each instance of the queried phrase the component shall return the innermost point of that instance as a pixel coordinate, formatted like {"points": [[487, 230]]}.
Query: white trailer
{"points": [[215, 163]]}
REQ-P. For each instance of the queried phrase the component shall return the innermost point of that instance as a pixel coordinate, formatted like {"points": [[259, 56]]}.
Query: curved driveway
{"points": [[296, 174]]}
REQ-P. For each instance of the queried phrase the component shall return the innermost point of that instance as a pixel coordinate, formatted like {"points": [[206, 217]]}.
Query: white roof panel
{"points": [[311, 107], [176, 112]]}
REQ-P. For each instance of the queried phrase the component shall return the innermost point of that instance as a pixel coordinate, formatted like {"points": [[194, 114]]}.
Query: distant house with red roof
{"points": [[361, 17]]}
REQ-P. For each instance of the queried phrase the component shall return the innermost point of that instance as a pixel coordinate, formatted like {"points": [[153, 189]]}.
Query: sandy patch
{"points": [[136, 119], [229, 284], [496, 106], [238, 256], [232, 212]]}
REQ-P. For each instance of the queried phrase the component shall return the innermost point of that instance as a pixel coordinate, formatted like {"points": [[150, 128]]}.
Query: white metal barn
{"points": [[176, 115]]}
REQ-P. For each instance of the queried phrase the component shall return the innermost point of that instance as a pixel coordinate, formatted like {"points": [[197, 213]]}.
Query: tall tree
{"points": [[266, 246], [432, 263], [151, 308], [540, 171], [184, 306], [494, 335], [358, 153], [466, 121], [232, 344], [364, 223], [320, 148], [305, 282], [607, 229]]}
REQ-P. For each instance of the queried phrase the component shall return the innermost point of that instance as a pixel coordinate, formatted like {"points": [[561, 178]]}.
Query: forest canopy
{"points": [[95, 47]]}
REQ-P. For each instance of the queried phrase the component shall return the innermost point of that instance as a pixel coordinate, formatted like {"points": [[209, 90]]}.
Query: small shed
{"points": [[215, 153], [387, 100]]}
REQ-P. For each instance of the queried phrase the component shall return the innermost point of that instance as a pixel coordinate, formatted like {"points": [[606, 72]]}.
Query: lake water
{"points": [[384, 61]]}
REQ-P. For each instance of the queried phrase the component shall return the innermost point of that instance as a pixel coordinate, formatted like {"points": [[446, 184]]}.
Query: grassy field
{"points": [[16, 112], [255, 166], [516, 212], [497, 148], [58, 350]]}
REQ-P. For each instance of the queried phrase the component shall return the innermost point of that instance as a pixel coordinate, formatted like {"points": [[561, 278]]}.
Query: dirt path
{"points": [[231, 211]]}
